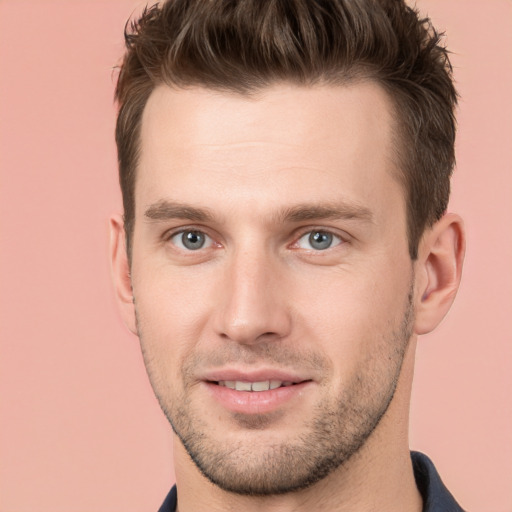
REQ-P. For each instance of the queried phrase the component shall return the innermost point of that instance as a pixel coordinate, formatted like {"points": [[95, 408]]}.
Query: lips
{"points": [[252, 375], [255, 392], [264, 385]]}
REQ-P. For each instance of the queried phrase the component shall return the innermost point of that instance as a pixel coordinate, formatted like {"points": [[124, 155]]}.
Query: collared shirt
{"points": [[436, 497]]}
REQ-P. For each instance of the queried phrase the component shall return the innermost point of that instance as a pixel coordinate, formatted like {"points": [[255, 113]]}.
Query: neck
{"points": [[378, 477]]}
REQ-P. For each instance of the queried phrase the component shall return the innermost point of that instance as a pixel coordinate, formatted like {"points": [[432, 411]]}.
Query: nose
{"points": [[253, 304]]}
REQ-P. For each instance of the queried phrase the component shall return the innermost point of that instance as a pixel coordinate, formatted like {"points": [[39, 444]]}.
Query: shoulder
{"points": [[436, 497], [169, 504]]}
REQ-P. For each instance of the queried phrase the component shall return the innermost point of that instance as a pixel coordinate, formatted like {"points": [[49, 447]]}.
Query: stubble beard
{"points": [[338, 428]]}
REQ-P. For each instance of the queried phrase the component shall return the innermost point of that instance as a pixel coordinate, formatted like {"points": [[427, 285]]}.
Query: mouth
{"points": [[265, 385], [257, 396]]}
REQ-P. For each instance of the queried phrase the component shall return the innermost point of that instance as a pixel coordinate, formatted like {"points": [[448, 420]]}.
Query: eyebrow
{"points": [[167, 210], [326, 211]]}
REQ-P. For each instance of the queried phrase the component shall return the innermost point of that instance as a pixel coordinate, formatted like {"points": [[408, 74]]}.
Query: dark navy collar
{"points": [[436, 497], [169, 504]]}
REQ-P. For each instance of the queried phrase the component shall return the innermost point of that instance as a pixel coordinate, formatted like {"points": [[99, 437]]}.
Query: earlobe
{"points": [[438, 271], [120, 269]]}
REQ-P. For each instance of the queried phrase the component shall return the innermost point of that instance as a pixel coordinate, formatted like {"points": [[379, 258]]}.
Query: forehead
{"points": [[320, 143]]}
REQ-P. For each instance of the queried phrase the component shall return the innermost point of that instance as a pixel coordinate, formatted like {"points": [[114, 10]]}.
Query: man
{"points": [[285, 173]]}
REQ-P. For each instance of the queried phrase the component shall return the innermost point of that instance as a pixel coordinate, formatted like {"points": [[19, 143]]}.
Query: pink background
{"points": [[80, 429]]}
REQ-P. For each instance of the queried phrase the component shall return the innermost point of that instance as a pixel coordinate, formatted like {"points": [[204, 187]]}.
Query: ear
{"points": [[120, 269], [438, 271]]}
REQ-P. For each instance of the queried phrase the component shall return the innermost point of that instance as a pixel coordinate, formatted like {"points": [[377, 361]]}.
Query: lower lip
{"points": [[256, 402]]}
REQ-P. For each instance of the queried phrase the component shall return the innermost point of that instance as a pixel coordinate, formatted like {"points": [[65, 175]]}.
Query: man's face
{"points": [[270, 256]]}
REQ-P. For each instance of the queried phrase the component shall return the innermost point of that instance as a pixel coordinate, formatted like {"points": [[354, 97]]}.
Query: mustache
{"points": [[262, 353]]}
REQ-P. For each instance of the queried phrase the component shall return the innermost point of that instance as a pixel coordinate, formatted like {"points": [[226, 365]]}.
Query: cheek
{"points": [[171, 296], [171, 315], [349, 314]]}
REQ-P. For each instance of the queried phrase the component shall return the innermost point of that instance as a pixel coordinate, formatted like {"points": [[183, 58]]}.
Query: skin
{"points": [[252, 174]]}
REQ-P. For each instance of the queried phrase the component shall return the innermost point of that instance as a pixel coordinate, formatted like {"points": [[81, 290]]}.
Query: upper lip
{"points": [[260, 375]]}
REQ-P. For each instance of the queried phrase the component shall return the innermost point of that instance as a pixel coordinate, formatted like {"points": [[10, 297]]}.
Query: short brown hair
{"points": [[245, 45]]}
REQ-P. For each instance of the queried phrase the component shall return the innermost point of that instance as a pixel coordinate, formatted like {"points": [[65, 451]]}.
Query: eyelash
{"points": [[310, 230], [336, 239], [170, 235]]}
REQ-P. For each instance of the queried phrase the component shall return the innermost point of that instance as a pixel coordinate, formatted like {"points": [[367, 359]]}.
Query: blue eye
{"points": [[191, 240], [318, 240]]}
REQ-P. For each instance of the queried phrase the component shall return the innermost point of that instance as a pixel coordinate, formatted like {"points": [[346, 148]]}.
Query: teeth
{"points": [[261, 386], [242, 386], [274, 384], [254, 386]]}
